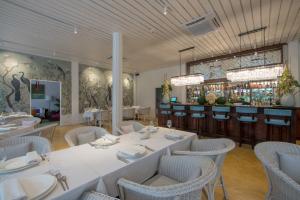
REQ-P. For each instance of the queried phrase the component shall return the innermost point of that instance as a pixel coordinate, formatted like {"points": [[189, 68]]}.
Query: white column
{"points": [[294, 63], [75, 91], [117, 92]]}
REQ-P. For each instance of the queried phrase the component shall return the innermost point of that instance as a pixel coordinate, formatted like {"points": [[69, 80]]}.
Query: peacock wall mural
{"points": [[95, 87], [16, 71]]}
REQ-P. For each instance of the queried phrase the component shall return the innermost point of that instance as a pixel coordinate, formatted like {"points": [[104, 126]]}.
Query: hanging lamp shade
{"points": [[185, 80], [254, 73]]}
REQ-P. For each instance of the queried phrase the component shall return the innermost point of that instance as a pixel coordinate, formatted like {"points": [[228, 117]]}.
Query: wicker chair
{"points": [[281, 186], [39, 144], [136, 126], [179, 177], [128, 113], [144, 113], [216, 149], [92, 195], [71, 136]]}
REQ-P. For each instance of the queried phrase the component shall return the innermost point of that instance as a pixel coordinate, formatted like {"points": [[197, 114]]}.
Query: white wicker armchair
{"points": [[128, 113], [71, 136], [144, 113], [281, 186], [136, 126], [216, 149], [92, 195], [39, 144], [179, 177]]}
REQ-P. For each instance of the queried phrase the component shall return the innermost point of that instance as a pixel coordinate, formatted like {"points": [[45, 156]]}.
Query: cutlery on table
{"points": [[146, 147], [58, 177], [64, 179]]}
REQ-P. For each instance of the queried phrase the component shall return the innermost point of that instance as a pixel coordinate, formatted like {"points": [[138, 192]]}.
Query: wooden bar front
{"points": [[234, 128]]}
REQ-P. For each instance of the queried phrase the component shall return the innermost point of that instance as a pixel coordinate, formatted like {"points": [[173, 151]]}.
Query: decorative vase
{"points": [[166, 99], [287, 100]]}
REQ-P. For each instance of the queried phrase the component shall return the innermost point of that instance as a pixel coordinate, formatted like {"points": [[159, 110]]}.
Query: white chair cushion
{"points": [[16, 150], [127, 129], [289, 163], [87, 137], [160, 180]]}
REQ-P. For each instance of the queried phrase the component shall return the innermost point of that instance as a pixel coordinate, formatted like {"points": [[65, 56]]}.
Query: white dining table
{"points": [[89, 168], [15, 132]]}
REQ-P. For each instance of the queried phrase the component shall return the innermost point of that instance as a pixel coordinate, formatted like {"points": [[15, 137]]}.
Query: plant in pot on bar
{"points": [[287, 88], [166, 91], [201, 98]]}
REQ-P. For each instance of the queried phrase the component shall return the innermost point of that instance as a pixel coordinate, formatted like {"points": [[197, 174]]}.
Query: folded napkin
{"points": [[111, 137], [11, 189], [28, 122], [103, 142], [133, 151], [174, 136], [33, 158]]}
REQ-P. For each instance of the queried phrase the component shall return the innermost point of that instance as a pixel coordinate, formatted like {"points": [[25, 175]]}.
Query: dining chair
{"points": [[93, 195], [104, 118], [136, 126], [47, 131], [71, 136], [19, 146], [178, 177], [281, 185], [216, 149], [144, 113], [220, 114], [128, 113], [34, 121]]}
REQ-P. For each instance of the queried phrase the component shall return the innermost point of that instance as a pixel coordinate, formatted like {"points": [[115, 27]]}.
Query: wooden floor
{"points": [[243, 174]]}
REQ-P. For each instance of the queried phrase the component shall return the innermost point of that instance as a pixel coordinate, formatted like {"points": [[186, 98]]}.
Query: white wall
{"points": [[294, 63], [147, 81]]}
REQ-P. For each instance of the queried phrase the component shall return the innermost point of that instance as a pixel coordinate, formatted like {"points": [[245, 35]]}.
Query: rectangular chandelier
{"points": [[254, 73], [193, 79]]}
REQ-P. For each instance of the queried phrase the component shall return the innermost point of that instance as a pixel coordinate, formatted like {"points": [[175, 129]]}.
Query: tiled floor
{"points": [[243, 173]]}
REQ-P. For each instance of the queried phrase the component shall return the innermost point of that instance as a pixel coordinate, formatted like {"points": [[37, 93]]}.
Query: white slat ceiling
{"points": [[151, 39]]}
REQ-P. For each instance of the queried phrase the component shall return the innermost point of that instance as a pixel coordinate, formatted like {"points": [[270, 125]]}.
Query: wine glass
{"points": [[169, 123]]}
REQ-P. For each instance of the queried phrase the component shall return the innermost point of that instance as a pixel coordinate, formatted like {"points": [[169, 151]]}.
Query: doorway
{"points": [[45, 100]]}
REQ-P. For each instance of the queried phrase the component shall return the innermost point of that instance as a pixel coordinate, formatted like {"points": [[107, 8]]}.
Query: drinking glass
{"points": [[169, 123]]}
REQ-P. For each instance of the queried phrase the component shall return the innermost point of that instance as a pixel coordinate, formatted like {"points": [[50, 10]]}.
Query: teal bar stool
{"points": [[164, 114], [280, 118], [247, 116], [220, 114], [179, 115], [197, 114]]}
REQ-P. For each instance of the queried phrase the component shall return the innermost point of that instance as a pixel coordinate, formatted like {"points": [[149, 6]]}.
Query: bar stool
{"points": [[247, 116], [179, 113], [221, 115], [197, 113], [279, 118], [165, 114]]}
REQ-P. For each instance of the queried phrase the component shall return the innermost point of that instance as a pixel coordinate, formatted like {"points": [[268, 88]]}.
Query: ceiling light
{"points": [[193, 79], [254, 73], [165, 10], [75, 30]]}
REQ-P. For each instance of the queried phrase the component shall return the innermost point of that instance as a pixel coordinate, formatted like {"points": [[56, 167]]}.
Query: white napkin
{"points": [[174, 136], [112, 138], [11, 189], [103, 142], [133, 151], [28, 122], [33, 157]]}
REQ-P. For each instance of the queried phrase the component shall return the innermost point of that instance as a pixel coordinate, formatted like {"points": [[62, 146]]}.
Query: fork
{"points": [[64, 179], [59, 178], [122, 159]]}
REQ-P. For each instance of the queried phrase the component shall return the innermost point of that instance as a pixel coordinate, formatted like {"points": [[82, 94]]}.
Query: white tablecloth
{"points": [[84, 165]]}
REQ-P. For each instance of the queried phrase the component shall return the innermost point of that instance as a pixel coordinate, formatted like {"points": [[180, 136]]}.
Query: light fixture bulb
{"points": [[75, 30], [165, 10]]}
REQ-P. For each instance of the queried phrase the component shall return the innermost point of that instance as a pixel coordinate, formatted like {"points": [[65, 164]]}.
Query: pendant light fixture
{"points": [[254, 73], [185, 80]]}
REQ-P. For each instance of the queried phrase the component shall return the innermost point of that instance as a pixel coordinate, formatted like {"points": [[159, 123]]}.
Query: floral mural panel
{"points": [[95, 88], [16, 71]]}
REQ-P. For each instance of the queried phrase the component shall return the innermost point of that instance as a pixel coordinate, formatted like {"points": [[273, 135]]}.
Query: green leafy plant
{"points": [[166, 88], [221, 100], [287, 84]]}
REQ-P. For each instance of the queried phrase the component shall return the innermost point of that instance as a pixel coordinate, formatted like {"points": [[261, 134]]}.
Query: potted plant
{"points": [[201, 99], [166, 91], [287, 88], [221, 101]]}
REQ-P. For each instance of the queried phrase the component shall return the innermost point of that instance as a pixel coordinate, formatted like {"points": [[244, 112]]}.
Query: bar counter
{"points": [[234, 125]]}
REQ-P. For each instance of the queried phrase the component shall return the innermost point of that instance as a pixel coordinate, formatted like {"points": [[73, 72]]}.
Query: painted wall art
{"points": [[95, 88], [16, 71]]}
